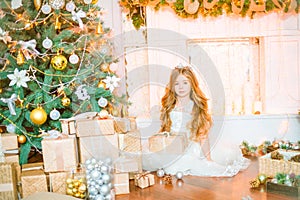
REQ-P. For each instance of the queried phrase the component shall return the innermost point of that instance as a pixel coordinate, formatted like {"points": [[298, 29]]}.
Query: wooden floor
{"points": [[193, 187]]}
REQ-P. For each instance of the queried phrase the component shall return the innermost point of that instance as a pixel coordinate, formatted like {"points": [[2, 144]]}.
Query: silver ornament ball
{"points": [[179, 175], [106, 178], [54, 114], [104, 189], [11, 128], [160, 173]]}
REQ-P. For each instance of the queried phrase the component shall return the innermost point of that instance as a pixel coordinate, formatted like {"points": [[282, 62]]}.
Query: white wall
{"points": [[280, 72]]}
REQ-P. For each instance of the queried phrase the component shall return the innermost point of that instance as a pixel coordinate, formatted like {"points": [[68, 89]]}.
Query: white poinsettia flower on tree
{"points": [[111, 82], [19, 78]]}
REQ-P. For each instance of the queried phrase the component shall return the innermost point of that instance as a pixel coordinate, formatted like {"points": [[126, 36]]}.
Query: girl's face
{"points": [[182, 86]]}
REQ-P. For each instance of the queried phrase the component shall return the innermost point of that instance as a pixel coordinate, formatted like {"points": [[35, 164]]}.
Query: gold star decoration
{"points": [[31, 73]]}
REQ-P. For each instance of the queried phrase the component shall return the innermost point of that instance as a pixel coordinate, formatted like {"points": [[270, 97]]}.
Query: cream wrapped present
{"points": [[174, 143], [121, 183], [94, 126], [59, 154], [124, 164], [8, 181], [144, 180], [130, 142], [68, 126], [99, 147], [9, 141]]}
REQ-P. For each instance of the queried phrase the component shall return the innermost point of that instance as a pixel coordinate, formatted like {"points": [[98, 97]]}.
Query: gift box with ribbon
{"points": [[59, 154], [174, 143], [68, 126], [121, 183], [94, 126], [33, 179], [144, 180], [8, 181]]}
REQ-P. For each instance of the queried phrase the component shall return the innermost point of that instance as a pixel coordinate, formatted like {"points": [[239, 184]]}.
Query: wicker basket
{"points": [[271, 167]]}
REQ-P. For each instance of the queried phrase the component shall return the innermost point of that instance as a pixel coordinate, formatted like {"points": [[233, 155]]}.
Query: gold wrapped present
{"points": [[121, 183], [33, 179], [57, 182], [99, 147], [144, 180], [9, 141], [8, 181], [94, 127], [59, 154], [174, 143]]}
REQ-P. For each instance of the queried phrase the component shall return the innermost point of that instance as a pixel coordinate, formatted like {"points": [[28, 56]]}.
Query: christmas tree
{"points": [[56, 61]]}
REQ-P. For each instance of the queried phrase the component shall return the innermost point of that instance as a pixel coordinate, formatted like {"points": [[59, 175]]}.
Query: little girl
{"points": [[185, 109]]}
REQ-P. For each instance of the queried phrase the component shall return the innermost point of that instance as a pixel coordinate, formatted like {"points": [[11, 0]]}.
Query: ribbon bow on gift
{"points": [[29, 47], [10, 103], [76, 16]]}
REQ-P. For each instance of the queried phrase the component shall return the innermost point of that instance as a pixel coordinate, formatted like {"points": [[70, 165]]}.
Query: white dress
{"points": [[227, 161]]}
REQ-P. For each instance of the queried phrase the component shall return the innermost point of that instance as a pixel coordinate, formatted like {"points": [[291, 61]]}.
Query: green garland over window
{"points": [[135, 9]]}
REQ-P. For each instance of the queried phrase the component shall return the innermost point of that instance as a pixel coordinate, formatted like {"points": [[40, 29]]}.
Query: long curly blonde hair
{"points": [[201, 119]]}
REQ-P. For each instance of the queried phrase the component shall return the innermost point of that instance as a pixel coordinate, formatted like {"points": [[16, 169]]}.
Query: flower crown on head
{"points": [[181, 66]]}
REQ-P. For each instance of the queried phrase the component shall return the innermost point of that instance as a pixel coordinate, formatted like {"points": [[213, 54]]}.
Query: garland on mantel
{"points": [[135, 9]]}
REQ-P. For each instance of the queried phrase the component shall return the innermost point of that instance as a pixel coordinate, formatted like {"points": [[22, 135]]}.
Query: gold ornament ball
{"points": [[38, 116], [21, 139], [65, 101], [37, 4], [1, 90], [59, 62], [101, 84], [94, 1]]}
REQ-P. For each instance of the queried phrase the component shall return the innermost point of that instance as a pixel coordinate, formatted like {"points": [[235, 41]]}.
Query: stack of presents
{"points": [[66, 159]]}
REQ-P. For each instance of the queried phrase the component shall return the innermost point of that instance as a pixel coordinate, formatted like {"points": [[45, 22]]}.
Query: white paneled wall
{"points": [[157, 53]]}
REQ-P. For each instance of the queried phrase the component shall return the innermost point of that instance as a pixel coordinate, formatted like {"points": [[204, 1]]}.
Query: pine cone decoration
{"points": [[276, 155], [295, 158], [255, 183], [167, 179]]}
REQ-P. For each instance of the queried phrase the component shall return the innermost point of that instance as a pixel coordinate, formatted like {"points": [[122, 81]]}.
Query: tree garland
{"points": [[135, 9]]}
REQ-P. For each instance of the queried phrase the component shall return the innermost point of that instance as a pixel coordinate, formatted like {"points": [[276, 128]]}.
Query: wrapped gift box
{"points": [[94, 127], [123, 164], [11, 158], [99, 147], [130, 142], [122, 125], [271, 167], [9, 141], [171, 143], [121, 183], [144, 180], [68, 126], [33, 179], [59, 154], [57, 182], [8, 181]]}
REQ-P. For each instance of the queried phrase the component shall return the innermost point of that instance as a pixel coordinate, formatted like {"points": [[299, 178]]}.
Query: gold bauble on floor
{"points": [[38, 116]]}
